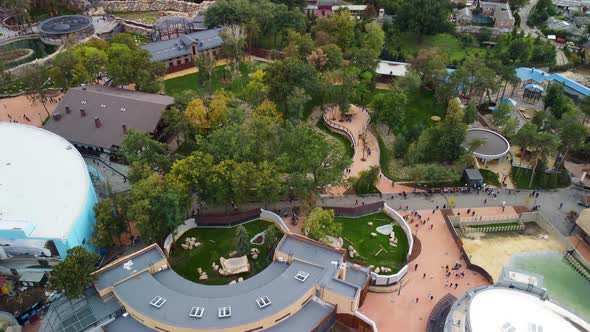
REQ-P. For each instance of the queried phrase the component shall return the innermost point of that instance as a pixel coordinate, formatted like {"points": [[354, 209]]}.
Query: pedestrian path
{"points": [[355, 126]]}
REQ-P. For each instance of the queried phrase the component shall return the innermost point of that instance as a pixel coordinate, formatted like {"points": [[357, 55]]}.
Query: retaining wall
{"points": [[151, 5]]}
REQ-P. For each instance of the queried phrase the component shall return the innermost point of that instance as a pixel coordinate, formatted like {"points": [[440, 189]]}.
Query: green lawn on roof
{"points": [[216, 243], [356, 231]]}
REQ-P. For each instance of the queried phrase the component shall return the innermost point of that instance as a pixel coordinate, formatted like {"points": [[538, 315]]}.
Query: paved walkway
{"points": [[426, 277]]}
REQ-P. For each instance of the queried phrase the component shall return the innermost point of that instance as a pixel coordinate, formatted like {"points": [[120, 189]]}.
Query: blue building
{"points": [[46, 197], [539, 78]]}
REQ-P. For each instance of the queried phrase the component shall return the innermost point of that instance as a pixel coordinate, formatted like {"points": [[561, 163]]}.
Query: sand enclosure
{"points": [[492, 251]]}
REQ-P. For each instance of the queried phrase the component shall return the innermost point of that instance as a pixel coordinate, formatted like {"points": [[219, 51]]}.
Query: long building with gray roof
{"points": [[179, 53], [301, 290]]}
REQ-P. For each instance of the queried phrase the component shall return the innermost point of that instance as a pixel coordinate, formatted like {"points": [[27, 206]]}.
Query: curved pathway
{"points": [[356, 126]]}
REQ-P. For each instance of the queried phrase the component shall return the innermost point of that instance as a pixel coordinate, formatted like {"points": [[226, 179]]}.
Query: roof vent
{"points": [[97, 122], [82, 112], [68, 110], [56, 116], [223, 312], [158, 301], [83, 102], [103, 105], [123, 109], [263, 302], [301, 276], [128, 264], [196, 312], [124, 126]]}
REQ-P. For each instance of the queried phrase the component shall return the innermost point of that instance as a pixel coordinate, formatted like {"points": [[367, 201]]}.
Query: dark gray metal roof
{"points": [[473, 174], [494, 143], [306, 319], [172, 48], [177, 283], [138, 291], [117, 273], [136, 110]]}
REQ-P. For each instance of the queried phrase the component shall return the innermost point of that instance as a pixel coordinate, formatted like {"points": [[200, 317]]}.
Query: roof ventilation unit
{"points": [[301, 276]]}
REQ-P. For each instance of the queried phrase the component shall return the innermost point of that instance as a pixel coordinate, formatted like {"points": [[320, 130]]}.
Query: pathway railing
{"points": [[483, 219], [339, 127]]}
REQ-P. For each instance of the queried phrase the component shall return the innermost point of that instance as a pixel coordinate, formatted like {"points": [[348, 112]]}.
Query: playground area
{"points": [[207, 247], [493, 251]]}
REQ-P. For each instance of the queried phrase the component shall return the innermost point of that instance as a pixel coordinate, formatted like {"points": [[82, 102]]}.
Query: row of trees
{"points": [[121, 60]]}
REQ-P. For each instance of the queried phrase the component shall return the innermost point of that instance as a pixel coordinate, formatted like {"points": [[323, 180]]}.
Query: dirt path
{"points": [[15, 108]]}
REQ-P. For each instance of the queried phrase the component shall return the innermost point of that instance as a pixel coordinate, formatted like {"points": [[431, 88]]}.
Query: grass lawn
{"points": [[490, 177], [454, 47], [216, 243], [355, 231], [340, 138], [542, 180], [420, 107], [175, 86]]}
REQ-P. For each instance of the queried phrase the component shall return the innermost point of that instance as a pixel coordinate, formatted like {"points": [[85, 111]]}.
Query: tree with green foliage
{"points": [[470, 112], [205, 62], [110, 221], [557, 102], [282, 77], [524, 138], [509, 127], [296, 101], [452, 131], [36, 81], [271, 236], [191, 174], [20, 9], [309, 160], [320, 224], [502, 114], [73, 274], [334, 57], [268, 183], [230, 182], [133, 66], [424, 17], [299, 44], [366, 181], [156, 207], [242, 240], [233, 44], [335, 29], [373, 38], [125, 39], [256, 90], [572, 132], [544, 144], [431, 63], [389, 108], [584, 106], [138, 146]]}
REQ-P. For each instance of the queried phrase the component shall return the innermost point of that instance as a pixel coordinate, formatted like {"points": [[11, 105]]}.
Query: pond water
{"points": [[564, 284], [40, 50]]}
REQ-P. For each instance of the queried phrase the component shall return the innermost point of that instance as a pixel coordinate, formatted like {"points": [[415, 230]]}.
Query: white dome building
{"points": [[46, 193]]}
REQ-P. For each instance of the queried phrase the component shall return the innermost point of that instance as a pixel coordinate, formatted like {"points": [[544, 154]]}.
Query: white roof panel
{"points": [[43, 181]]}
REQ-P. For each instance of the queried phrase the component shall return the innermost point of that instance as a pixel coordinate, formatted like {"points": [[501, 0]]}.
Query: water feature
{"points": [[565, 286], [40, 50]]}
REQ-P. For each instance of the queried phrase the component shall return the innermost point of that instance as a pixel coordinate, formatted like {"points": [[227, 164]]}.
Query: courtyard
{"points": [[217, 243]]}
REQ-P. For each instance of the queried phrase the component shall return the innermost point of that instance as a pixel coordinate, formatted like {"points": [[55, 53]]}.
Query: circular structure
{"points": [[35, 48], [494, 146], [494, 308], [45, 188], [57, 28]]}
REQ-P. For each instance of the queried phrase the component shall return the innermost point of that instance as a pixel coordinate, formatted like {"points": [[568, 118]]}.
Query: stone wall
{"points": [[151, 5]]}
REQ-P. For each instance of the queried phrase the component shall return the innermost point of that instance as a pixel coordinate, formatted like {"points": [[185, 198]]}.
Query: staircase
{"points": [[581, 269]]}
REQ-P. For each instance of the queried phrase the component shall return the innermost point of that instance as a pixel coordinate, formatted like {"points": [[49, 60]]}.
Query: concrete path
{"points": [[408, 308]]}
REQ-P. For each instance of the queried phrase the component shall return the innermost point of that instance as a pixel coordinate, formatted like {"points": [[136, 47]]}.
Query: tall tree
{"points": [[242, 240], [571, 132], [524, 138], [320, 224], [544, 145], [452, 132], [72, 275], [138, 146], [374, 38], [205, 62], [234, 41], [110, 221], [389, 108], [431, 63], [36, 79], [424, 17]]}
